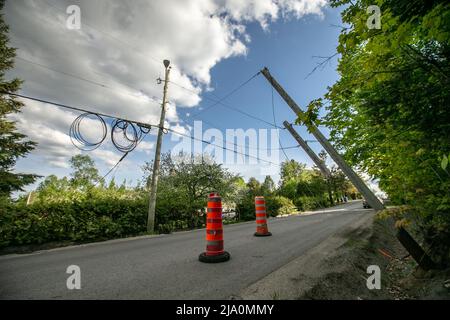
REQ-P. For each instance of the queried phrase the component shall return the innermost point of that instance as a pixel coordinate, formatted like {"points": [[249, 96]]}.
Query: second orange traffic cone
{"points": [[261, 218]]}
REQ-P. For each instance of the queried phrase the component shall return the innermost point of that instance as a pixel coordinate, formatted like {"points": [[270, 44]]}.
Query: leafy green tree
{"points": [[389, 113], [184, 184], [84, 172], [254, 187], [53, 189], [291, 170], [268, 186], [12, 143]]}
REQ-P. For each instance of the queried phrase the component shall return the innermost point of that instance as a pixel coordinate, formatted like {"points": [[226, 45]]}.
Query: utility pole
{"points": [[322, 167], [373, 201], [308, 150], [156, 163]]}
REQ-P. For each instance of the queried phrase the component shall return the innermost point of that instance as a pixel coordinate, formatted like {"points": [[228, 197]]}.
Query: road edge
{"points": [[297, 277]]}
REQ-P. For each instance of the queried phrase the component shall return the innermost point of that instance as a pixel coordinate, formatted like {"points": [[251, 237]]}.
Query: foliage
{"points": [[277, 205], [79, 208], [79, 221], [12, 143], [84, 174], [310, 117], [389, 113], [185, 182], [308, 189]]}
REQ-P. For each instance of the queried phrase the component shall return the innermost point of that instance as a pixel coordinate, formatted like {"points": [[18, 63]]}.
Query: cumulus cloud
{"points": [[111, 64]]}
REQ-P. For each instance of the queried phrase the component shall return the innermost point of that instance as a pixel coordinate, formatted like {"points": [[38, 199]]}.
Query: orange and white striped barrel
{"points": [[214, 231], [261, 217], [214, 228]]}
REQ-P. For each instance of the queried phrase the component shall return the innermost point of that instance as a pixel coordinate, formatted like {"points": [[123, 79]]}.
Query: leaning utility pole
{"points": [[373, 201], [322, 167], [155, 173], [308, 150]]}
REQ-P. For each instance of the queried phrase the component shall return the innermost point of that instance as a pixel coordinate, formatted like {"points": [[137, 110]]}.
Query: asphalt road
{"points": [[167, 266]]}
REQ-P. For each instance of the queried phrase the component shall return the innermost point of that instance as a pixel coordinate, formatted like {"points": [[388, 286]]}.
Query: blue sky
{"points": [[287, 50], [286, 46]]}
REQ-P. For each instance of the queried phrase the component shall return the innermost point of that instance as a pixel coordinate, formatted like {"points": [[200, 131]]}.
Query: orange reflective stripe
{"points": [[261, 215]]}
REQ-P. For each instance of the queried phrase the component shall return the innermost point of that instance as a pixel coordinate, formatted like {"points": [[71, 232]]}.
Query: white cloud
{"points": [[147, 147], [118, 52]]}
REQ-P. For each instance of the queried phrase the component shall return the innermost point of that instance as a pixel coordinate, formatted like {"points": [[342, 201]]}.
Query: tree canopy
{"points": [[12, 143], [389, 111]]}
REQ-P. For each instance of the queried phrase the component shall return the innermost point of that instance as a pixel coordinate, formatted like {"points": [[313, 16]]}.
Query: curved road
{"points": [[167, 266]]}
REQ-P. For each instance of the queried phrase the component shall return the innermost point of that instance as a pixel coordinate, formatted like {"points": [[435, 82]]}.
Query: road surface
{"points": [[167, 266]]}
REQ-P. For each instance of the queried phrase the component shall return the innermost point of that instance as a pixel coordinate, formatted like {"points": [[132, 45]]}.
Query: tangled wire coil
{"points": [[131, 134], [78, 140], [125, 135]]}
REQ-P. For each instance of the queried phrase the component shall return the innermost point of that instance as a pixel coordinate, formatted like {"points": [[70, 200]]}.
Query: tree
{"points": [[268, 186], [53, 189], [323, 156], [291, 170], [184, 184], [12, 143], [84, 173], [389, 113], [254, 187]]}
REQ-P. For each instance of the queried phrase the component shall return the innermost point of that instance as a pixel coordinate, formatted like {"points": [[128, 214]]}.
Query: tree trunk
{"points": [[330, 194]]}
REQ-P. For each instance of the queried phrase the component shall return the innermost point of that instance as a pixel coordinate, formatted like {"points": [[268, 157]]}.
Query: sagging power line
{"points": [[138, 123], [227, 106], [90, 81]]}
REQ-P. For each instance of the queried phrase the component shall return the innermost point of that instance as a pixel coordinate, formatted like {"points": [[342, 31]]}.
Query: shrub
{"points": [[71, 221], [277, 205], [311, 203]]}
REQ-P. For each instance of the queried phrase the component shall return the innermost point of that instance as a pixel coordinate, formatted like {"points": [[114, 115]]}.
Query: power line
{"points": [[90, 112], [144, 125], [212, 125], [275, 123], [105, 33], [134, 47], [115, 166], [154, 99], [62, 72], [222, 147], [227, 95], [286, 156], [220, 102]]}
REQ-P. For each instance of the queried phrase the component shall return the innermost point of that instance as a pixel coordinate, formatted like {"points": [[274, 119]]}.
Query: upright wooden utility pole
{"points": [[155, 173], [373, 201]]}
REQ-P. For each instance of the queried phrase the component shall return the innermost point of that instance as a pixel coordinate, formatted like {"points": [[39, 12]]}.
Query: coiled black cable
{"points": [[77, 138], [130, 133]]}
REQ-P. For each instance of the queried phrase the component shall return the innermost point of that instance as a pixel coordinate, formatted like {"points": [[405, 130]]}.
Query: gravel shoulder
{"points": [[337, 269]]}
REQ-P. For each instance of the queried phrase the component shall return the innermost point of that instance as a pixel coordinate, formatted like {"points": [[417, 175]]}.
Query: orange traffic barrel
{"points": [[261, 218], [214, 232]]}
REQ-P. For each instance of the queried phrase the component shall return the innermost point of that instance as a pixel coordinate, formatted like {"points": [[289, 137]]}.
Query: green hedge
{"points": [[275, 205], [108, 218], [71, 221], [311, 203]]}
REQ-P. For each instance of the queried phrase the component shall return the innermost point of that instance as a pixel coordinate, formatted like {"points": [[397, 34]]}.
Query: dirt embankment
{"points": [[337, 269]]}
